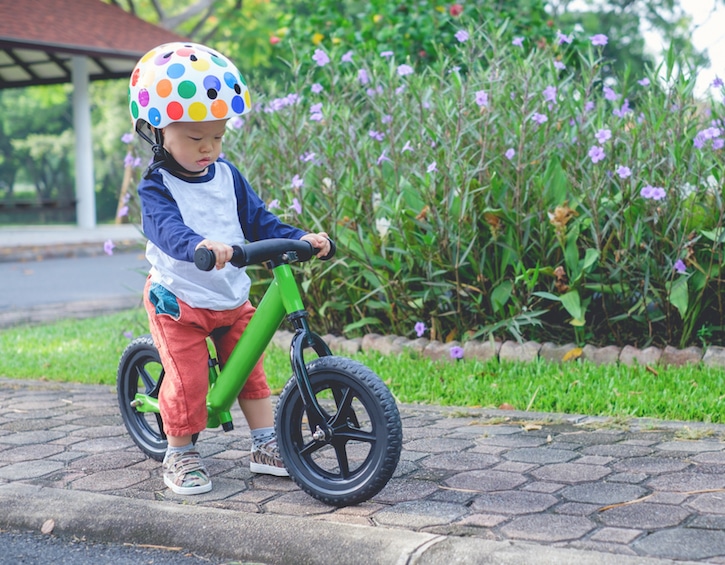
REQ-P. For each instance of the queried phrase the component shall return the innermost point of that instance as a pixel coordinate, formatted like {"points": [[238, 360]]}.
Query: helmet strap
{"points": [[162, 158]]}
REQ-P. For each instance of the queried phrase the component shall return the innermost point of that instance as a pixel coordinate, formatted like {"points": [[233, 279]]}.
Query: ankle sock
{"points": [[181, 449], [260, 436]]}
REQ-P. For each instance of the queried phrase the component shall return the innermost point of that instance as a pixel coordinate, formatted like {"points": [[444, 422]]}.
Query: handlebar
{"points": [[258, 252]]}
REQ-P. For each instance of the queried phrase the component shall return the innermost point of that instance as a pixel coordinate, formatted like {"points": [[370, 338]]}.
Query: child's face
{"points": [[195, 145]]}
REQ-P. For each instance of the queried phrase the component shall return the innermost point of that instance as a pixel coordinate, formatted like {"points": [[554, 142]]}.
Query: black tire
{"points": [[367, 437], [140, 370]]}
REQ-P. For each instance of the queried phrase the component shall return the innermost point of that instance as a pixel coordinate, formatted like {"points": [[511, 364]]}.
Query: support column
{"points": [[85, 182]]}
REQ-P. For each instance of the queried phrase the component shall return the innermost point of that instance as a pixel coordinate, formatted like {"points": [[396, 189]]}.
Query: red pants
{"points": [[180, 337]]}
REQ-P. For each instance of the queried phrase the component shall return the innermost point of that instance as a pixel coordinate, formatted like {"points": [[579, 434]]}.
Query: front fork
{"points": [[302, 339]]}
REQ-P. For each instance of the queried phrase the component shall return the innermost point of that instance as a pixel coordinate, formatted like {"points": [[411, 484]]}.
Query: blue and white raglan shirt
{"points": [[179, 212]]}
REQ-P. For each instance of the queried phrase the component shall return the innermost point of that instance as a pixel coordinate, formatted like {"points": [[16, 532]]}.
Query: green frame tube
{"points": [[282, 297]]}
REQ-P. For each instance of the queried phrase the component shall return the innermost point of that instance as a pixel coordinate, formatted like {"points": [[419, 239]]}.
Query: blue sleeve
{"points": [[162, 221], [258, 222]]}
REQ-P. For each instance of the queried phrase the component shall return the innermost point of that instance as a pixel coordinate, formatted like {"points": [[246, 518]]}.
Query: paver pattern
{"points": [[646, 488]]}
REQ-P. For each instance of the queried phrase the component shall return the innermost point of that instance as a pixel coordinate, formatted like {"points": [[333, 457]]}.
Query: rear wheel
{"points": [[140, 370], [362, 450]]}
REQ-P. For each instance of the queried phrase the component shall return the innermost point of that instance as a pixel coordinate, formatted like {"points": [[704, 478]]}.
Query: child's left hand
{"points": [[318, 241]]}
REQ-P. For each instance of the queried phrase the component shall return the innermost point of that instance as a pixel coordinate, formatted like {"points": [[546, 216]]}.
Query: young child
{"points": [[181, 96]]}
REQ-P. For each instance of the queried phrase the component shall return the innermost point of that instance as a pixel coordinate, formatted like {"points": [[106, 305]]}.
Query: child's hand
{"points": [[222, 251], [319, 241]]}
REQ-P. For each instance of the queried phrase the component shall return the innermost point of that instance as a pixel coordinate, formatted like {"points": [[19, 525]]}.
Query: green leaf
{"points": [[572, 302], [678, 295], [501, 294]]}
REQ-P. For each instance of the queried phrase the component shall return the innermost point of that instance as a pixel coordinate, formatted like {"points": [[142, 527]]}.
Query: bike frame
{"points": [[281, 298]]}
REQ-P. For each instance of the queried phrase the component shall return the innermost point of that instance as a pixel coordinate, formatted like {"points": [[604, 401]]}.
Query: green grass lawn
{"points": [[88, 350]]}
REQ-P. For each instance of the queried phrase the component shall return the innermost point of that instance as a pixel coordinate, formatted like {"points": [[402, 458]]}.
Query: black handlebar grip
{"points": [[331, 254], [204, 259]]}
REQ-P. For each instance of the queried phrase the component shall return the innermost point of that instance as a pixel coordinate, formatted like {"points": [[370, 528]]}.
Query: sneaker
{"points": [[265, 459], [184, 473]]}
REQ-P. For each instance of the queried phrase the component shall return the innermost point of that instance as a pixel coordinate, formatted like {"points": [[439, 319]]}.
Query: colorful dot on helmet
{"points": [[135, 76], [186, 89], [237, 105], [230, 80], [154, 117], [197, 111], [185, 51], [147, 56], [143, 97], [163, 58], [134, 110], [219, 109], [218, 61], [175, 71], [175, 111], [164, 88], [212, 82], [200, 64]]}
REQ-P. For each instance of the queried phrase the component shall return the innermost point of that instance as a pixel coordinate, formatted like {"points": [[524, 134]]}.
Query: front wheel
{"points": [[362, 451]]}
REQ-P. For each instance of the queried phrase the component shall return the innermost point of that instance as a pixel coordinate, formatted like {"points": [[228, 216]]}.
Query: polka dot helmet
{"points": [[185, 82]]}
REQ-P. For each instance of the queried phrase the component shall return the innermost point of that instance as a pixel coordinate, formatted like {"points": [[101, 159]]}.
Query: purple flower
{"points": [[108, 247], [420, 329], [128, 160], [347, 57], [623, 172], [643, 82], [297, 181], [596, 153], [559, 65], [456, 352], [128, 335], [609, 94], [432, 168], [461, 35], [386, 119], [603, 135], [599, 39], [274, 204], [620, 112], [320, 57], [383, 157], [307, 157], [404, 70], [718, 143], [589, 106], [538, 118], [236, 122], [680, 266], [482, 98], [550, 94], [518, 41], [652, 192], [296, 206], [362, 76], [123, 211], [386, 54], [510, 153], [316, 88], [717, 83], [127, 138], [563, 38], [376, 135], [406, 147]]}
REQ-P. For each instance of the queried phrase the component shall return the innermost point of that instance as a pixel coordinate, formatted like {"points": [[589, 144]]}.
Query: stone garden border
{"points": [[712, 356]]}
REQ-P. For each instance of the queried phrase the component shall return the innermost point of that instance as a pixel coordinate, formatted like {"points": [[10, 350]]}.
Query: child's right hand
{"points": [[222, 251]]}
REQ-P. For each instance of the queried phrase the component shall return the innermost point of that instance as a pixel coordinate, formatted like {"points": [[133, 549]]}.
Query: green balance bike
{"points": [[338, 426]]}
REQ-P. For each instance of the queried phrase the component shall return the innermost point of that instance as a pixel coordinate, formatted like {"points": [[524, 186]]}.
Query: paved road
{"points": [[34, 548], [71, 279], [472, 486], [37, 291]]}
